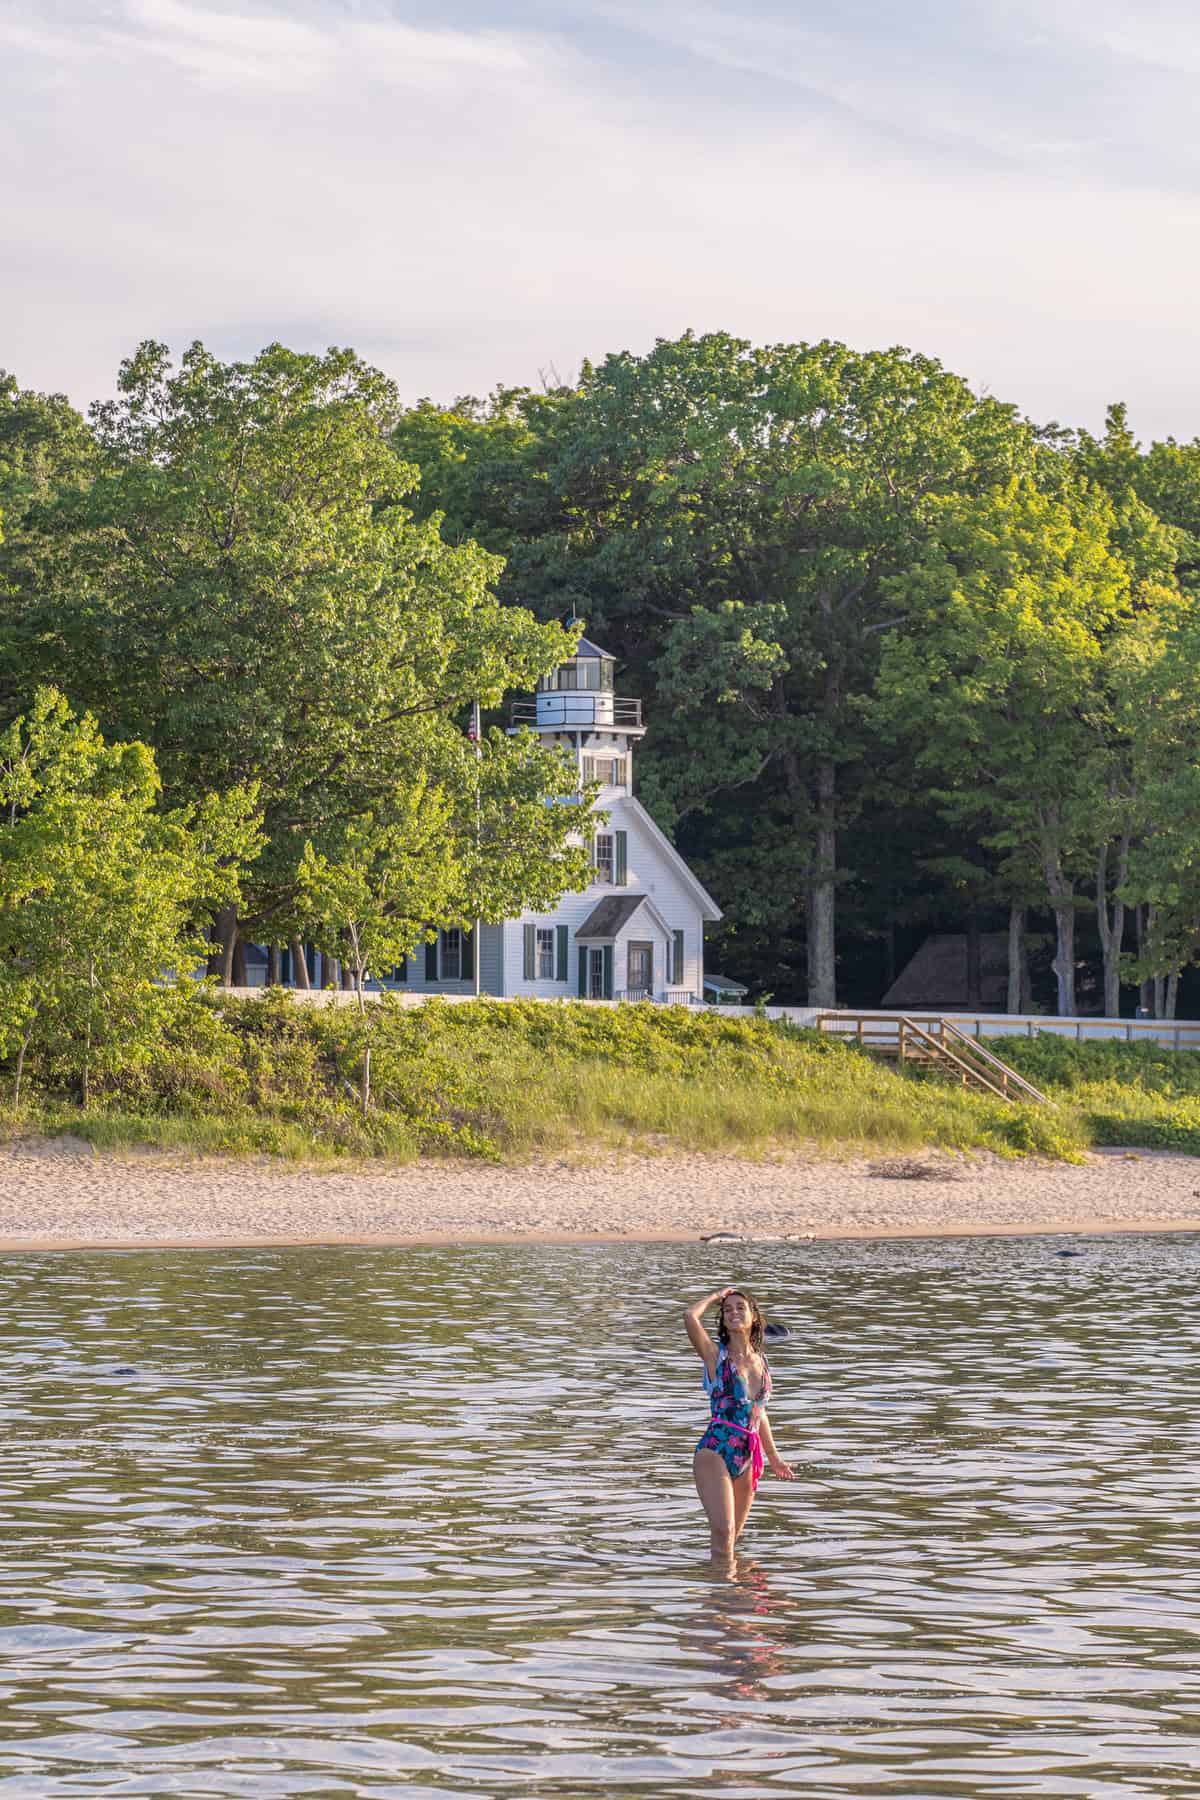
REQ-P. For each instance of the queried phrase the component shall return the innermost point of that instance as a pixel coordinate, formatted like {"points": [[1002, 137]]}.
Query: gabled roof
{"points": [[607, 919], [937, 974], [700, 893]]}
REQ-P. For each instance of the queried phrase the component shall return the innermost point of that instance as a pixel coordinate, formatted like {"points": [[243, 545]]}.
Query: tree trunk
{"points": [[366, 1081], [240, 977], [1172, 995], [1111, 924], [1144, 921], [822, 947], [974, 961], [1014, 1001], [1062, 896], [21, 1066], [299, 966], [1064, 958], [273, 961], [889, 955], [224, 935]]}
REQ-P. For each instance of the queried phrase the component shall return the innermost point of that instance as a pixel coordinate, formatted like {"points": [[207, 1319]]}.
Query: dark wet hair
{"points": [[756, 1320]]}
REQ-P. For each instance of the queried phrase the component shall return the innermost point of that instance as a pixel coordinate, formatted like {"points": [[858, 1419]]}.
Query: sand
{"points": [[59, 1193]]}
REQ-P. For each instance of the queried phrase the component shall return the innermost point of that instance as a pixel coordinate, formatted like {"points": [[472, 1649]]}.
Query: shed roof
{"points": [[606, 920], [725, 984]]}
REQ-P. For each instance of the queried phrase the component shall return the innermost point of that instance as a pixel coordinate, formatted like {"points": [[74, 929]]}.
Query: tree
{"points": [[728, 518], [1159, 695], [998, 683], [242, 586], [100, 890], [46, 449]]}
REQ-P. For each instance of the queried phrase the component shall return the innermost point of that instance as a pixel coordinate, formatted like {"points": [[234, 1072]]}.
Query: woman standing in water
{"points": [[729, 1457]]}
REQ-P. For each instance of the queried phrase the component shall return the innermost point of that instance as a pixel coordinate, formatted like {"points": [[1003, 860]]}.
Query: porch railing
{"points": [[668, 997]]}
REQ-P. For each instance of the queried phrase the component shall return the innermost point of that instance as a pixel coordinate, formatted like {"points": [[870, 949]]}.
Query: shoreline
{"points": [[60, 1195], [535, 1240]]}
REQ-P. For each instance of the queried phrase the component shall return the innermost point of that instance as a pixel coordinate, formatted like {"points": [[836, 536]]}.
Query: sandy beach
{"points": [[59, 1193]]}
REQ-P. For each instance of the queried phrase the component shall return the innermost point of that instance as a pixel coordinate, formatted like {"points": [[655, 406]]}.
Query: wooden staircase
{"points": [[936, 1044]]}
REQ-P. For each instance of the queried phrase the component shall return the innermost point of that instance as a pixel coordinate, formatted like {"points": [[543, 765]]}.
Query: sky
{"points": [[475, 194]]}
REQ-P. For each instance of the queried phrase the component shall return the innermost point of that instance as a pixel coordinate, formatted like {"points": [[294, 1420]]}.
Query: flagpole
{"points": [[476, 736]]}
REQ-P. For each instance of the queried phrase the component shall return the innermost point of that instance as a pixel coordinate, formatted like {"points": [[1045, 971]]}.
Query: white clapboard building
{"points": [[638, 931]]}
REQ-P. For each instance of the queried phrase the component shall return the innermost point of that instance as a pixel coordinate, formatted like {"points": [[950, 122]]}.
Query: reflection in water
{"points": [[366, 1522]]}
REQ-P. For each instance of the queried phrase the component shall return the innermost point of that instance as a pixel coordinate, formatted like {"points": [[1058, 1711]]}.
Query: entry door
{"points": [[640, 977], [595, 974]]}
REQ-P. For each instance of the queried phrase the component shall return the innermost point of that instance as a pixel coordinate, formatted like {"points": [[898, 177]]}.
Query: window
{"points": [[588, 674], [609, 771], [603, 857], [545, 954], [451, 967], [595, 975]]}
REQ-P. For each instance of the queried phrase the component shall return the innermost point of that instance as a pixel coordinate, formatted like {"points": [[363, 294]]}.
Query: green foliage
{"points": [[1138, 1095], [727, 517], [517, 1079], [99, 891], [900, 650], [241, 585], [384, 888]]}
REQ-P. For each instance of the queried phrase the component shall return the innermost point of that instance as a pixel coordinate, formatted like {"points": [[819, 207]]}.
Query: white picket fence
{"points": [[1173, 1034]]}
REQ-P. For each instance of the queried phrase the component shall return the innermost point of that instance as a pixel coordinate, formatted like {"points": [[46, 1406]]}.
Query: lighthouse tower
{"points": [[575, 706]]}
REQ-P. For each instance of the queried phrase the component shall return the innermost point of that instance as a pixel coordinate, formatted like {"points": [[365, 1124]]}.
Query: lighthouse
{"points": [[638, 931]]}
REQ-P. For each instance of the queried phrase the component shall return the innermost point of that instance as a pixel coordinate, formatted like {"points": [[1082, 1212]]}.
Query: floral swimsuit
{"points": [[733, 1429]]}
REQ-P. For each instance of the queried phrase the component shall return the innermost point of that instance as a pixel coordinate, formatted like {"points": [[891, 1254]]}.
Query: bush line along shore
{"points": [[526, 1080]]}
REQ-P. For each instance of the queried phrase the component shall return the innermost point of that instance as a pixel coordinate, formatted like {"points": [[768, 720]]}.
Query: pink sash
{"points": [[756, 1449]]}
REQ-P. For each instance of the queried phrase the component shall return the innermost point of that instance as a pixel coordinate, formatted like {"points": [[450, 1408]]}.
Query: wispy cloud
{"points": [[470, 190]]}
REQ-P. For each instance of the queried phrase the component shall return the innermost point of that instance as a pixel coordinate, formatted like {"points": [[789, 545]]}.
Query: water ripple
{"points": [[420, 1522]]}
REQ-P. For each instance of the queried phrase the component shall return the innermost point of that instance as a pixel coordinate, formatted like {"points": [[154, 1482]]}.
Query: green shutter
{"points": [[402, 969], [530, 952], [560, 969], [431, 961], [677, 960], [467, 963], [608, 971], [620, 876], [583, 972]]}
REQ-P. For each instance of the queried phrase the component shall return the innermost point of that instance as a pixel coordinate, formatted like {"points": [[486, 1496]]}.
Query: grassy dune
{"points": [[1133, 1094], [515, 1080]]}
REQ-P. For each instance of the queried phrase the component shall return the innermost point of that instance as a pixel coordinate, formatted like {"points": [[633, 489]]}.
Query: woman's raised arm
{"points": [[700, 1341]]}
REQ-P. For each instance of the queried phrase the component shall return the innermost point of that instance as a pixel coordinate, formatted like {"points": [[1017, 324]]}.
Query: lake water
{"points": [[421, 1523]]}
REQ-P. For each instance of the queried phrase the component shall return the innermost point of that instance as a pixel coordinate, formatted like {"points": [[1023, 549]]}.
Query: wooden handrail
{"points": [[945, 1054], [1010, 1074], [944, 1041]]}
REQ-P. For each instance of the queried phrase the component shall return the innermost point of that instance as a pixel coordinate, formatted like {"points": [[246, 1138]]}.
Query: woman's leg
{"points": [[716, 1496], [743, 1500]]}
